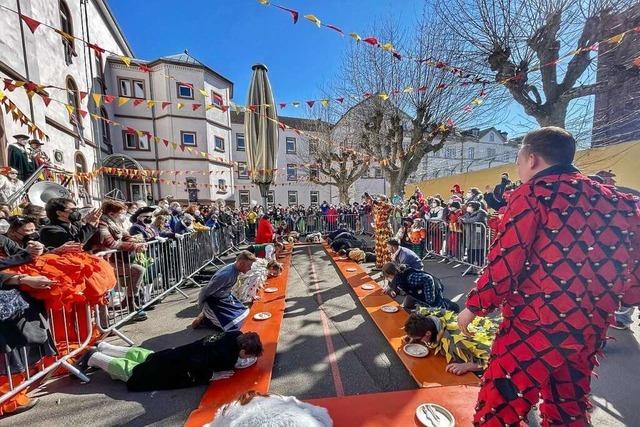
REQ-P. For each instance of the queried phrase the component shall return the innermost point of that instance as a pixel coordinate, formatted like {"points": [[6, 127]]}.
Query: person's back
{"points": [[220, 283], [409, 258]]}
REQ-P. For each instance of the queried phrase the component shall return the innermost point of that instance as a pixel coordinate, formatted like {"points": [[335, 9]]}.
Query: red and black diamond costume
{"points": [[565, 257]]}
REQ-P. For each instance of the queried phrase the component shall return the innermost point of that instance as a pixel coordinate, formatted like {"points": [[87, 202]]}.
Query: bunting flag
{"points": [[294, 14], [334, 28], [356, 37], [313, 19], [165, 104], [194, 107], [70, 109], [97, 99], [151, 103], [108, 99], [179, 105], [202, 92], [383, 96], [617, 39], [324, 102], [126, 60], [371, 40], [137, 102], [122, 100], [30, 22]]}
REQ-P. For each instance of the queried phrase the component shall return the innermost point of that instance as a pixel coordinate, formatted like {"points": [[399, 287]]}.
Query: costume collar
{"points": [[555, 170]]}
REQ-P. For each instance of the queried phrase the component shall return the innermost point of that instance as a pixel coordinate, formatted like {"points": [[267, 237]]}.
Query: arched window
{"points": [[105, 131], [73, 99], [80, 165], [66, 26]]}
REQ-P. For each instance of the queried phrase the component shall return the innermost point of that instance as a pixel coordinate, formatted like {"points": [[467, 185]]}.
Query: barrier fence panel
{"points": [[436, 237]]}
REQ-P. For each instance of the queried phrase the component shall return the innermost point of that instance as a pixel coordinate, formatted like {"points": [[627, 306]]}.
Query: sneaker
{"points": [[83, 363], [140, 316], [620, 326]]}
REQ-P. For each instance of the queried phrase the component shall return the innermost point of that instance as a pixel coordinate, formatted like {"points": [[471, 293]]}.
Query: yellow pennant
{"points": [[324, 102], [190, 149], [295, 104], [179, 105], [408, 89], [209, 107], [69, 108], [126, 60], [156, 139], [203, 92], [476, 101], [19, 83], [263, 2], [383, 96], [313, 19], [356, 37], [97, 98], [122, 100], [616, 39], [1, 95], [139, 133], [151, 103], [203, 154], [388, 47]]}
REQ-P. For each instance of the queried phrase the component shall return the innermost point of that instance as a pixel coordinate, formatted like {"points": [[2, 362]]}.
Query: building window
{"points": [[450, 153], [313, 146], [66, 26], [219, 144], [240, 142], [74, 100], [314, 173], [133, 142], [377, 173], [243, 170], [314, 197], [292, 198], [491, 153], [222, 185], [492, 137], [185, 91], [244, 198], [292, 172], [291, 145], [217, 100], [271, 198], [471, 152], [131, 88], [105, 131], [188, 138]]}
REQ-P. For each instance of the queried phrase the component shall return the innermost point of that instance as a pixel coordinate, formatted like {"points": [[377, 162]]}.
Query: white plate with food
{"points": [[416, 350], [433, 415], [351, 270], [271, 290], [390, 308], [245, 362], [262, 315], [368, 287]]}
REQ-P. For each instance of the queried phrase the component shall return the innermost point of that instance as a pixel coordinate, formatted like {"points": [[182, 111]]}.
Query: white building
{"points": [[467, 151], [46, 57]]}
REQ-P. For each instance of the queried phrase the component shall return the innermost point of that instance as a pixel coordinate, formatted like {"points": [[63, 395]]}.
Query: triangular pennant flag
{"points": [[126, 60], [282, 125], [334, 28], [108, 99], [371, 40], [441, 86], [263, 2], [208, 107], [174, 145], [617, 39], [165, 104], [282, 105], [83, 113], [46, 100], [324, 102], [165, 142], [179, 105], [224, 108], [340, 100], [203, 92], [137, 102], [31, 23], [294, 13], [295, 104], [310, 103], [97, 98], [151, 103], [313, 19], [356, 37], [156, 139], [383, 96], [99, 51], [122, 100], [408, 89], [194, 106], [190, 149], [70, 108], [422, 89], [388, 47], [397, 56], [144, 68], [203, 154]]}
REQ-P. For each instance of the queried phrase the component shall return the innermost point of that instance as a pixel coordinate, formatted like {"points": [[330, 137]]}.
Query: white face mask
{"points": [[434, 205], [469, 209], [4, 226]]}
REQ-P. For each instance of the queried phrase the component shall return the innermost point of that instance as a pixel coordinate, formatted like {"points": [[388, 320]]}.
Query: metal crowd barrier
{"points": [[142, 280]]}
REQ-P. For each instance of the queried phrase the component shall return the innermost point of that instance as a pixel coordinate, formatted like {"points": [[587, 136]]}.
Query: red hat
{"points": [[456, 189]]}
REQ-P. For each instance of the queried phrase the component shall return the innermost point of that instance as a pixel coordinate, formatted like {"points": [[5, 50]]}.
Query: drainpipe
{"points": [[24, 55]]}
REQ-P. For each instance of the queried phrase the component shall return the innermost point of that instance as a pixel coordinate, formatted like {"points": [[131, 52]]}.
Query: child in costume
{"points": [[248, 284], [417, 236]]}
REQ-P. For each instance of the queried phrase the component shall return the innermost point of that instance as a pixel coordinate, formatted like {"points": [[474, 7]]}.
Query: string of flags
{"points": [[18, 116]]}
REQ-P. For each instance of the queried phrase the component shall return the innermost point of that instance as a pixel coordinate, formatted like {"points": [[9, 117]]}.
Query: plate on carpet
{"points": [[245, 362], [271, 290], [351, 270], [262, 315], [416, 350], [390, 308], [432, 415], [368, 287]]}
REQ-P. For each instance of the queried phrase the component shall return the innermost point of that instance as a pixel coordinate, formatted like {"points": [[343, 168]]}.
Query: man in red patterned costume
{"points": [[565, 258]]}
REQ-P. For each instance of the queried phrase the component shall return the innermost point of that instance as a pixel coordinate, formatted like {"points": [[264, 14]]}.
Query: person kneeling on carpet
{"points": [[268, 251], [220, 309], [210, 358], [438, 329], [358, 255], [247, 287], [419, 287]]}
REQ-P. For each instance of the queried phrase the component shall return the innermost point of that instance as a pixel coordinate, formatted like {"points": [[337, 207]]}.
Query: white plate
{"points": [[416, 350], [245, 362], [351, 270], [390, 308], [444, 417], [368, 287], [271, 290], [262, 316]]}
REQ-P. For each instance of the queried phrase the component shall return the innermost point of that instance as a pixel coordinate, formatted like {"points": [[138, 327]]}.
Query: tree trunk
{"points": [[343, 192], [553, 114], [396, 185]]}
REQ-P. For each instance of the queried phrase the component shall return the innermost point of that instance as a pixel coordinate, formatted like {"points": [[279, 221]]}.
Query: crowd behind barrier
{"points": [[168, 265]]}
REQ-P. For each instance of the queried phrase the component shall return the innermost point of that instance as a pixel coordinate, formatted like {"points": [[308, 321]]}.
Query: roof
{"points": [[294, 122], [483, 132]]}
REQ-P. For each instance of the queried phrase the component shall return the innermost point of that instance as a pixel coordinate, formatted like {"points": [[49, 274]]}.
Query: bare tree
{"points": [[413, 103], [523, 44]]}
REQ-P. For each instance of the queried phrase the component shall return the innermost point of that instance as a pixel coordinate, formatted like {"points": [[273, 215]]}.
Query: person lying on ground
{"points": [[247, 287], [268, 251], [438, 329], [197, 363], [417, 286], [358, 255], [401, 255], [270, 410], [342, 228], [219, 308]]}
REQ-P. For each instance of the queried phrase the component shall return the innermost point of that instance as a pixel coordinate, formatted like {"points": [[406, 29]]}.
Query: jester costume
{"points": [[454, 345], [382, 229], [565, 258]]}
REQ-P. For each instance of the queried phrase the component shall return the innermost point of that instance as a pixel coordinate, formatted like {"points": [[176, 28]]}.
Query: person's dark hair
{"points": [[474, 205], [418, 325], [16, 222], [275, 265], [250, 343], [342, 252], [32, 210], [555, 145], [474, 190], [436, 200], [393, 242], [55, 205], [455, 205], [113, 206], [390, 269]]}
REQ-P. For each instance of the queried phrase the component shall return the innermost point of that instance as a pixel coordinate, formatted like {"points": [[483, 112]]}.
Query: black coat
{"points": [[188, 365], [57, 234], [20, 160]]}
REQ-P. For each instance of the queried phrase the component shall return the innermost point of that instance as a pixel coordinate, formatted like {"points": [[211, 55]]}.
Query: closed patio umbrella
{"points": [[261, 131]]}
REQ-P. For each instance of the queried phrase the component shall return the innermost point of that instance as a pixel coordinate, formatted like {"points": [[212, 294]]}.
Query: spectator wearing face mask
{"points": [[176, 215], [142, 221], [36, 212], [66, 224], [160, 226], [475, 232], [9, 183], [22, 230], [185, 225]]}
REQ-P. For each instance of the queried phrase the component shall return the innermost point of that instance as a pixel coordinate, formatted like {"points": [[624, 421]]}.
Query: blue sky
{"points": [[232, 35]]}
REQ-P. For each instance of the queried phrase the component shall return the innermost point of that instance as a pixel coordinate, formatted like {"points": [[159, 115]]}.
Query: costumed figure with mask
{"points": [[381, 209]]}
